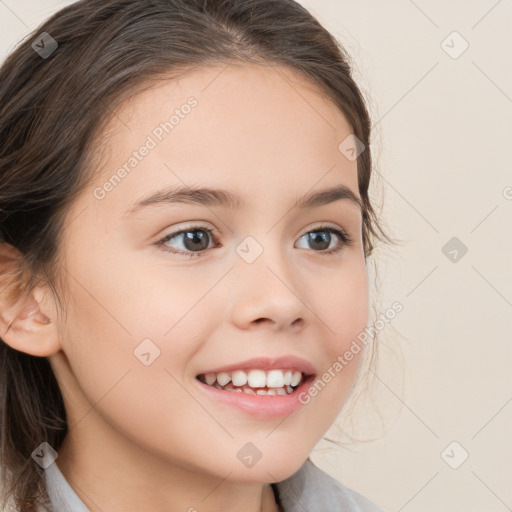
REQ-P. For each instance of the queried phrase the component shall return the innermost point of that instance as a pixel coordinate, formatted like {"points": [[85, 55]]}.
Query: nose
{"points": [[267, 292]]}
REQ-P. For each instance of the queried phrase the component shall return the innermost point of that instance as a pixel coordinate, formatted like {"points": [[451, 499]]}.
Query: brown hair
{"points": [[54, 106]]}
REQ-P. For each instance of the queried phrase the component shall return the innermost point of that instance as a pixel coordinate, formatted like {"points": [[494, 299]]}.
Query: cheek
{"points": [[343, 312], [132, 303], [146, 403], [343, 308], [134, 322]]}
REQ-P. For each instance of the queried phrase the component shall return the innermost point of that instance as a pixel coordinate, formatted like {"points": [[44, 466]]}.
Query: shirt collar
{"points": [[308, 489]]}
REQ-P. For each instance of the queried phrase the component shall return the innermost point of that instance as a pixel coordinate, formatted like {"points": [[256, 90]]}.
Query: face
{"points": [[168, 291]]}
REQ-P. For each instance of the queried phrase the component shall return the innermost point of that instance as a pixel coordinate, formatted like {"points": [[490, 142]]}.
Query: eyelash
{"points": [[346, 240]]}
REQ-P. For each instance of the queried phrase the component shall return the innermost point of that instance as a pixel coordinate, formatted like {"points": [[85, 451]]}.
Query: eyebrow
{"points": [[211, 197]]}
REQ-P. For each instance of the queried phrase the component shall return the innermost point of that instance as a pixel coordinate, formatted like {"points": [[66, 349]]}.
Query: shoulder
{"points": [[312, 489]]}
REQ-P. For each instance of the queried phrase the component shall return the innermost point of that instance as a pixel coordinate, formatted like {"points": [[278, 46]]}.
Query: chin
{"points": [[271, 471]]}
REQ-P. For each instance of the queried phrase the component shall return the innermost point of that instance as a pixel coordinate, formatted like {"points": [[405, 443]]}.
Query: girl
{"points": [[186, 226]]}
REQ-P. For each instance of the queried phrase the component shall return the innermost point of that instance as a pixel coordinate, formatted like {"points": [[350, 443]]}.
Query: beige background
{"points": [[441, 147]]}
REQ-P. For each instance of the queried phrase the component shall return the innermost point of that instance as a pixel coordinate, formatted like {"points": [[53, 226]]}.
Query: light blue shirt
{"points": [[308, 490]]}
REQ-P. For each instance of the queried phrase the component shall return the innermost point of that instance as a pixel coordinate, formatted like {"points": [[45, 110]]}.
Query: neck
{"points": [[122, 479]]}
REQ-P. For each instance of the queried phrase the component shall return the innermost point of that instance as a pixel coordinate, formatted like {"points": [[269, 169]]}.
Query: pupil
{"points": [[194, 239], [326, 238]]}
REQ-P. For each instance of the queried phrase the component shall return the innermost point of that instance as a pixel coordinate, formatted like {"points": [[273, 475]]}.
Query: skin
{"points": [[146, 437]]}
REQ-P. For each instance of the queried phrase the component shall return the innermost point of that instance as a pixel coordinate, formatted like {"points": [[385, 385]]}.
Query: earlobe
{"points": [[27, 329], [23, 325]]}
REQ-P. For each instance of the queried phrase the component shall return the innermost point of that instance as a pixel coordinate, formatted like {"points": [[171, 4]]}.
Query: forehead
{"points": [[256, 129]]}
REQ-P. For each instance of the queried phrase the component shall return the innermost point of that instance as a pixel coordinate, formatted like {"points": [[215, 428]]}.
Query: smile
{"points": [[263, 387], [255, 381]]}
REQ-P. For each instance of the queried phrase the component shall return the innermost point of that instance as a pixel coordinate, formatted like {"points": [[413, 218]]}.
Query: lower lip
{"points": [[259, 406]]}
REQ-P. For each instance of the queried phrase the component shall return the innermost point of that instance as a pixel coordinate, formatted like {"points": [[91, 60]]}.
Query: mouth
{"points": [[262, 387], [256, 381]]}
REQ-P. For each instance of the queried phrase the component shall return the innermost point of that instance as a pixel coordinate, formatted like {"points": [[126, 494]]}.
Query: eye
{"points": [[195, 240], [321, 238]]}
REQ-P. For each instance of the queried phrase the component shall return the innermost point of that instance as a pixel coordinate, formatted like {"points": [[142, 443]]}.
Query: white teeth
{"points": [[239, 378], [281, 391], [210, 378], [296, 378], [223, 378], [275, 379], [257, 379], [280, 380]]}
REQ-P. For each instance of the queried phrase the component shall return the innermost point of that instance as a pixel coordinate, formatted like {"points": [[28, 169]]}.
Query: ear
{"points": [[27, 322]]}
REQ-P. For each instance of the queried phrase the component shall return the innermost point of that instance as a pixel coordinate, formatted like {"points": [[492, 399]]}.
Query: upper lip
{"points": [[266, 363]]}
